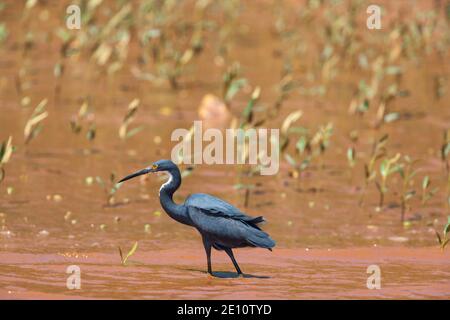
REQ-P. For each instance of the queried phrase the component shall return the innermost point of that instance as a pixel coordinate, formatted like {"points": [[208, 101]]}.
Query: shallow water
{"points": [[325, 241], [282, 274]]}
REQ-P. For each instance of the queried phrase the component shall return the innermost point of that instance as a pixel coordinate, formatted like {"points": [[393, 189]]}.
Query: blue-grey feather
{"points": [[224, 225]]}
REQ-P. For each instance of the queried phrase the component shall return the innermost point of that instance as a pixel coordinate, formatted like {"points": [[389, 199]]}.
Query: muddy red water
{"points": [[54, 214]]}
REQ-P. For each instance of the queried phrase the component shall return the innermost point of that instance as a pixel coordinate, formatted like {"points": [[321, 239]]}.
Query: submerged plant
{"points": [[445, 152], [322, 138], [170, 41], [247, 188], [388, 167], [232, 83], [247, 113], [307, 147], [427, 194], [33, 125], [407, 173], [286, 85], [109, 188], [6, 149], [124, 133], [351, 161], [384, 115], [351, 157], [83, 115], [378, 151], [444, 239], [124, 259], [3, 32]]}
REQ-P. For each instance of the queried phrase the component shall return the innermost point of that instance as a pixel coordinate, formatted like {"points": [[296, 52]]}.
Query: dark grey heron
{"points": [[221, 225]]}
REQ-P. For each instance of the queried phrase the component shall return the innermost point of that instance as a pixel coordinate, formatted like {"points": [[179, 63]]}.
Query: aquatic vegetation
{"points": [[384, 115], [247, 114], [351, 157], [407, 173], [247, 189], [124, 133], [246, 122], [427, 193], [110, 188], [284, 88], [445, 152], [132, 251], [228, 28], [388, 167], [33, 125], [308, 148], [84, 116], [444, 239], [360, 102], [370, 173], [3, 32], [321, 140], [170, 42], [287, 129], [232, 82], [440, 86], [6, 150]]}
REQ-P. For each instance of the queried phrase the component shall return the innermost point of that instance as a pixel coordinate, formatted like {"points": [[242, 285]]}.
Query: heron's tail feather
{"points": [[259, 219], [253, 222], [260, 239]]}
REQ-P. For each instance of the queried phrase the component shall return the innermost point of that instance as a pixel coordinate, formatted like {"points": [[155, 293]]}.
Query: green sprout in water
{"points": [[388, 167], [383, 115], [247, 188], [307, 147], [124, 133], [426, 193], [129, 254], [407, 173], [247, 114], [444, 240], [351, 160], [6, 150], [3, 32], [76, 123], [361, 101], [33, 125], [351, 157], [445, 152], [322, 138], [286, 85], [247, 121], [378, 151], [232, 83], [110, 189]]}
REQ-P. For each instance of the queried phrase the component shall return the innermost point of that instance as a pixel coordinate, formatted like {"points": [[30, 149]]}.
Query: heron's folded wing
{"points": [[220, 226], [217, 207], [228, 232]]}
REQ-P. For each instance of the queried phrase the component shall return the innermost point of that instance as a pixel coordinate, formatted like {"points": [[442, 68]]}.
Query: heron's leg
{"points": [[207, 246], [230, 254]]}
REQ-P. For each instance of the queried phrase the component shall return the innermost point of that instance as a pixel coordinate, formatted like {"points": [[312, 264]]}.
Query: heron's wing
{"points": [[217, 207], [228, 232]]}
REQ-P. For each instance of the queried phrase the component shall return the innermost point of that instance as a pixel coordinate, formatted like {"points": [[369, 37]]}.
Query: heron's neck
{"points": [[166, 192]]}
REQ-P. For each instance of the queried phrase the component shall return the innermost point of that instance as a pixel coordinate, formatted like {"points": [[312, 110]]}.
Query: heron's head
{"points": [[160, 165]]}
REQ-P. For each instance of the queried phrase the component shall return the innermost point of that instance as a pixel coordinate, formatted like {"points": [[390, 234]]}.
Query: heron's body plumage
{"points": [[224, 225]]}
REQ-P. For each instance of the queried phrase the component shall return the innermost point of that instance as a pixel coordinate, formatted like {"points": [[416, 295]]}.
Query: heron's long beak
{"points": [[136, 174]]}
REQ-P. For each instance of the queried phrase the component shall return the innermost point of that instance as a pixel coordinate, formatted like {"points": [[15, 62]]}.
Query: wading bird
{"points": [[221, 225]]}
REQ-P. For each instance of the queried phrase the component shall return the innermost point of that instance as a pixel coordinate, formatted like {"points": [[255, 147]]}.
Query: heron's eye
{"points": [[154, 167]]}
